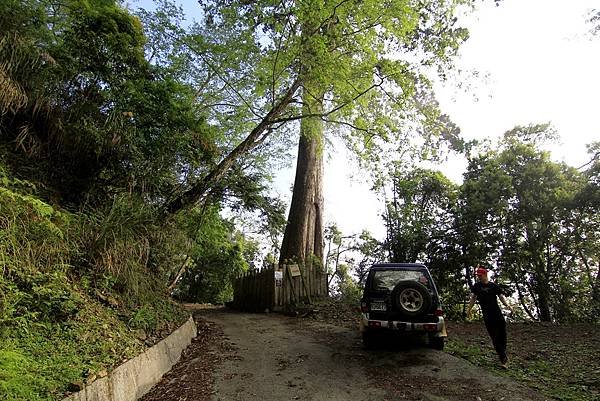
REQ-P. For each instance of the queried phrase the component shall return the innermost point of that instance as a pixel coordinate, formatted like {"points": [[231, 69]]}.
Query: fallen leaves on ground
{"points": [[559, 360], [191, 379]]}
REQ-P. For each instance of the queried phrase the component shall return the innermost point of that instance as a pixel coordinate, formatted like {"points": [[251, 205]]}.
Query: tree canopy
{"points": [[253, 59], [531, 219]]}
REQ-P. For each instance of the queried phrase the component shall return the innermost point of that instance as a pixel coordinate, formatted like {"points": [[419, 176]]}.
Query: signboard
{"points": [[294, 270], [278, 278]]}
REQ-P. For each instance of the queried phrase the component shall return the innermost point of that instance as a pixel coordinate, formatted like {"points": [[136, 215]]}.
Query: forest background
{"points": [[136, 150]]}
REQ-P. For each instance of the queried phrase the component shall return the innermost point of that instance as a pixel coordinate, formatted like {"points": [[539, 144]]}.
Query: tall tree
{"points": [[421, 227], [303, 235], [518, 209], [419, 214], [356, 65], [345, 42], [586, 236]]}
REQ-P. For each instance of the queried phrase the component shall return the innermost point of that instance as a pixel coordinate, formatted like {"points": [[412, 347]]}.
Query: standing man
{"points": [[487, 294]]}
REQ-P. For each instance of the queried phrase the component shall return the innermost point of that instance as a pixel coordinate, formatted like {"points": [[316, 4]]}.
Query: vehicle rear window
{"points": [[387, 279]]}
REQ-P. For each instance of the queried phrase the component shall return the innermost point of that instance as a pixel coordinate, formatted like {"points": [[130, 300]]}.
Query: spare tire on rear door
{"points": [[411, 298]]}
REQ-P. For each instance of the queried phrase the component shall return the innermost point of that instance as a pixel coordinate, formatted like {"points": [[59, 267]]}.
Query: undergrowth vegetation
{"points": [[75, 290], [99, 129], [80, 292]]}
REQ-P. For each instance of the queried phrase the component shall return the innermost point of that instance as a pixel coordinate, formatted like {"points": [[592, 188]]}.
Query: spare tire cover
{"points": [[411, 298]]}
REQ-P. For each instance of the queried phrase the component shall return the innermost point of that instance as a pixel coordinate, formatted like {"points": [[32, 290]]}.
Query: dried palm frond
{"points": [[23, 91], [20, 66], [15, 62], [27, 141], [12, 95]]}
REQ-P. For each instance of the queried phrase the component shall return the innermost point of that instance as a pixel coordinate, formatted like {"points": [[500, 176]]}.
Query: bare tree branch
{"points": [[335, 109], [197, 191], [592, 160]]}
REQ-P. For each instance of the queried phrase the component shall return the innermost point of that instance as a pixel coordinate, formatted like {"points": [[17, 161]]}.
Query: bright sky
{"points": [[537, 64], [542, 66]]}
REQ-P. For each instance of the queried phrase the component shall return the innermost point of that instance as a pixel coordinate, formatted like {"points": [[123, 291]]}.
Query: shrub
{"points": [[73, 287]]}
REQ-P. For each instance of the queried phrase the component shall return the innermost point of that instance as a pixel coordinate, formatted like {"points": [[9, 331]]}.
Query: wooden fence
{"points": [[276, 289], [254, 291]]}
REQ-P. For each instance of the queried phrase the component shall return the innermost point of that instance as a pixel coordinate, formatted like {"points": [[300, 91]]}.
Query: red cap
{"points": [[480, 271]]}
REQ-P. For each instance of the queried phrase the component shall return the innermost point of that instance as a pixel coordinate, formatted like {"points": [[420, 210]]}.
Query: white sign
{"points": [[278, 275], [294, 270]]}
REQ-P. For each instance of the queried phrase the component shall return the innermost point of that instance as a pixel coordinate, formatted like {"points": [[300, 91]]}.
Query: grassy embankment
{"points": [[79, 293], [559, 361]]}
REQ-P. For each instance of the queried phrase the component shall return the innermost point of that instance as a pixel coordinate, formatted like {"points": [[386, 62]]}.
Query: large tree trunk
{"points": [[543, 293], [303, 240]]}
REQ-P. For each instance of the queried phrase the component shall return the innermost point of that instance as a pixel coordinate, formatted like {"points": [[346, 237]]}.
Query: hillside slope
{"points": [[77, 295]]}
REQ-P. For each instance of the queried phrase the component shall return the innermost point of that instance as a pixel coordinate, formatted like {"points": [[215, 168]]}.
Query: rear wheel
{"points": [[436, 343]]}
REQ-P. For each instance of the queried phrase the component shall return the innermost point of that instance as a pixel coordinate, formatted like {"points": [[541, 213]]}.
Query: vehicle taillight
{"points": [[439, 312], [374, 323], [430, 327], [364, 307]]}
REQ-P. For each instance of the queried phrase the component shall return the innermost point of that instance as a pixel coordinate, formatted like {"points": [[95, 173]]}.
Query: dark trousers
{"points": [[497, 330]]}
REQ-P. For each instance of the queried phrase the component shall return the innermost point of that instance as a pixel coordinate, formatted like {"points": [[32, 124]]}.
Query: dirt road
{"points": [[269, 357]]}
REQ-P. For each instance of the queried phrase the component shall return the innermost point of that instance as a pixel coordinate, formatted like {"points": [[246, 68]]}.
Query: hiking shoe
{"points": [[504, 363]]}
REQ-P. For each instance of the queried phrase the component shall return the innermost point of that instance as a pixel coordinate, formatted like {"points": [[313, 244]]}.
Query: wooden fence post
{"points": [[306, 290], [292, 287]]}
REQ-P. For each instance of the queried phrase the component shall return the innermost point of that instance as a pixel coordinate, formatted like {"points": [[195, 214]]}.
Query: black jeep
{"points": [[401, 298]]}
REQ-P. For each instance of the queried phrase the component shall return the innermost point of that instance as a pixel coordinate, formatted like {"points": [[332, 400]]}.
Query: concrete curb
{"points": [[136, 377]]}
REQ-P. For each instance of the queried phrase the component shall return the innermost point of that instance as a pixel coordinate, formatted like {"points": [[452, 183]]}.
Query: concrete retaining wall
{"points": [[136, 377]]}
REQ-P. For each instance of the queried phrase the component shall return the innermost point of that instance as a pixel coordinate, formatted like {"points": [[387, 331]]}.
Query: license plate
{"points": [[377, 306]]}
